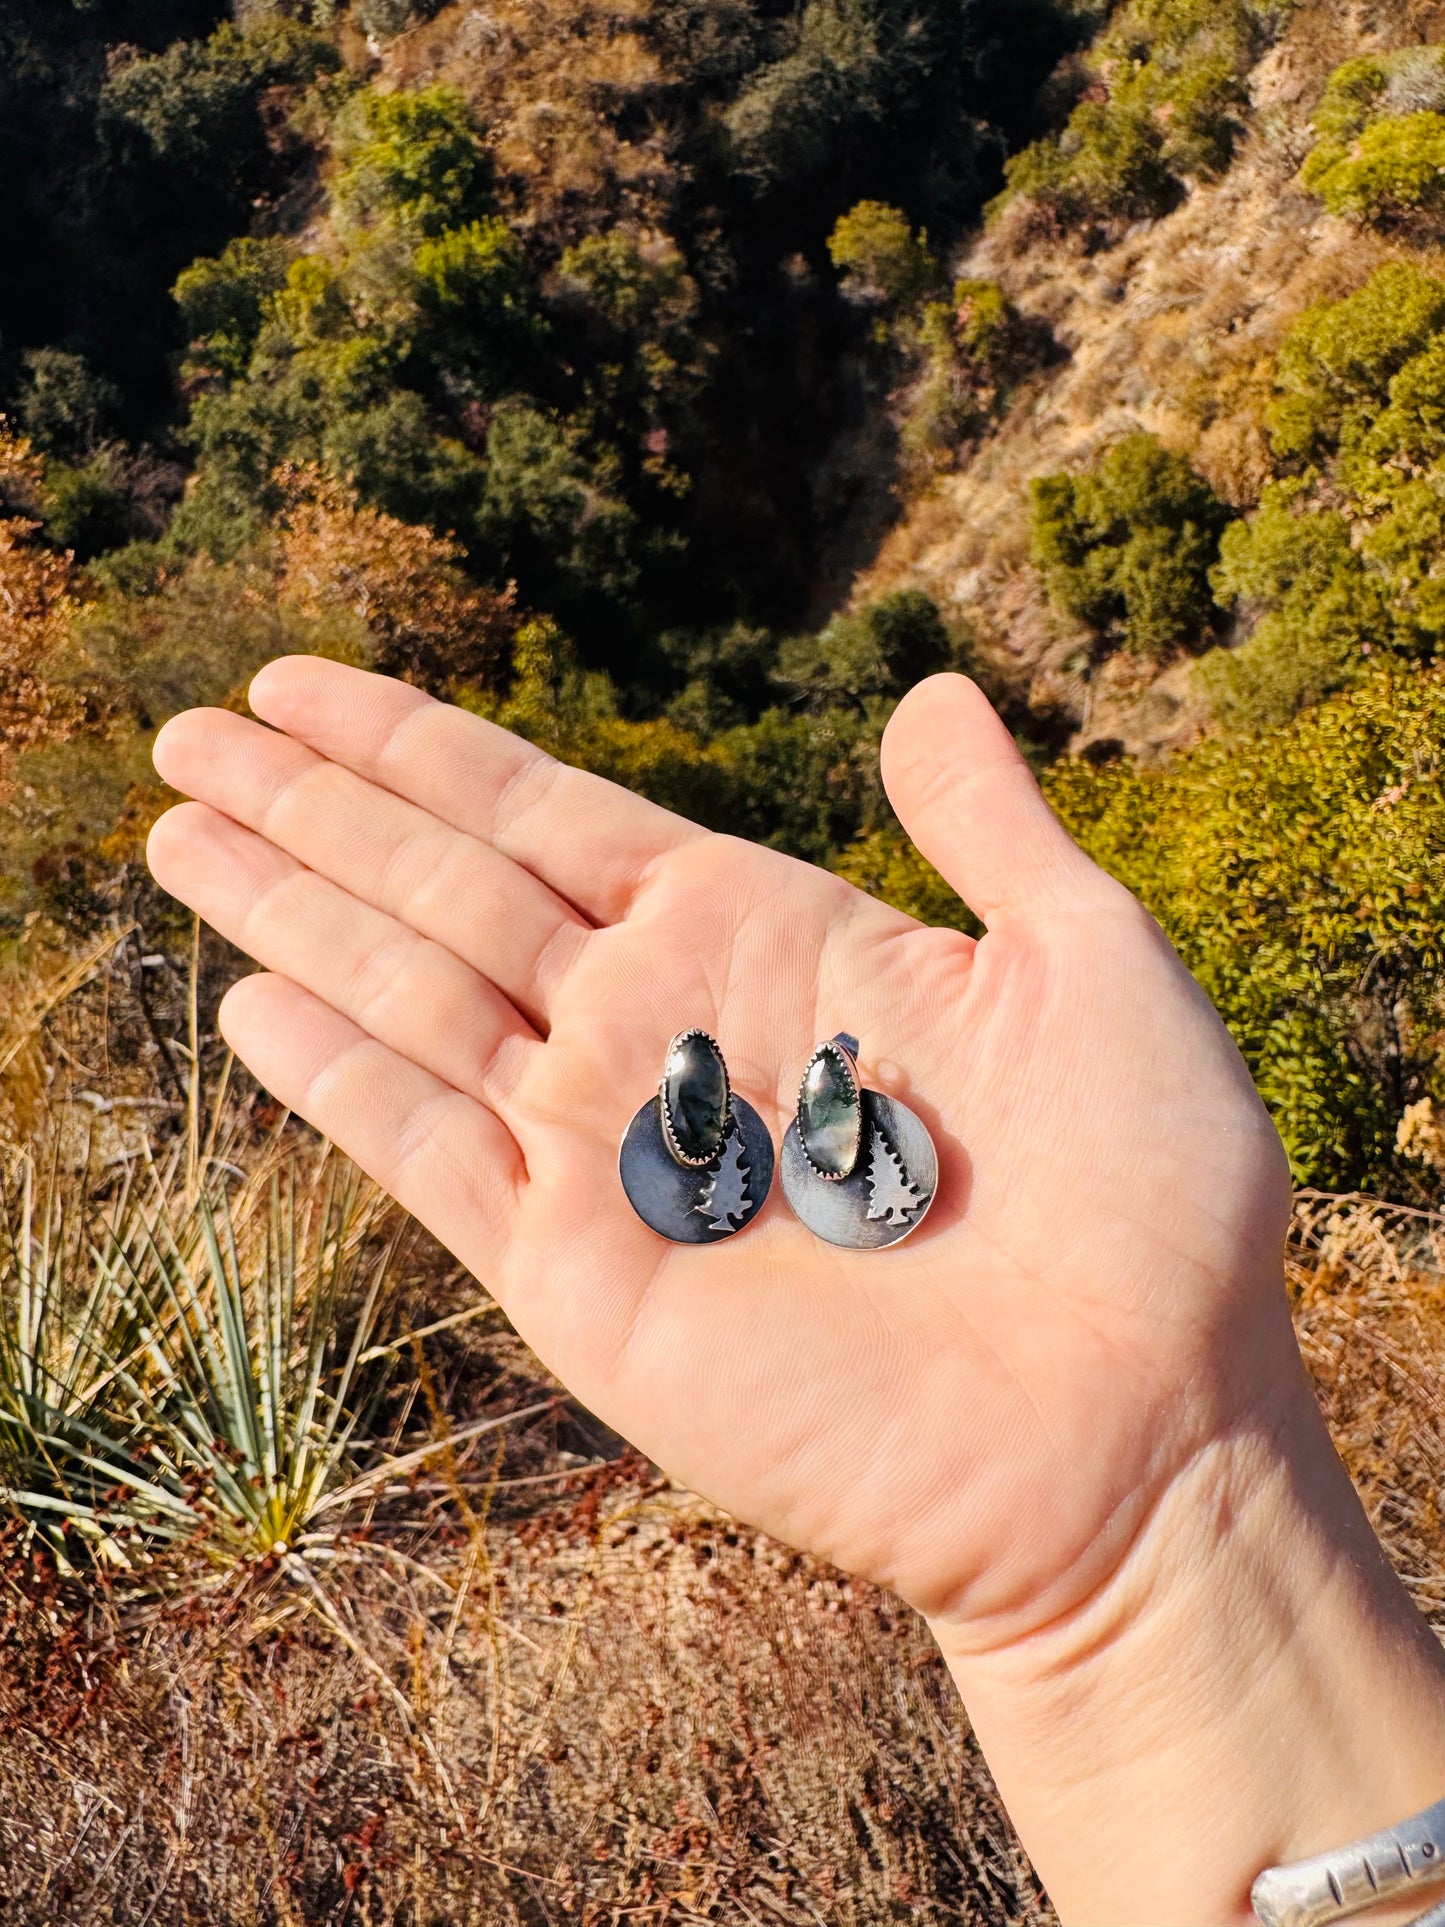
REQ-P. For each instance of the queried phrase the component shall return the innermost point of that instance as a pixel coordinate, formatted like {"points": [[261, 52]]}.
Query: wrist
{"points": [[1251, 1685]]}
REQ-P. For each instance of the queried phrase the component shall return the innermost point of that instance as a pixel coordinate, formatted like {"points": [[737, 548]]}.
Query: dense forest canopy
{"points": [[227, 249], [629, 374]]}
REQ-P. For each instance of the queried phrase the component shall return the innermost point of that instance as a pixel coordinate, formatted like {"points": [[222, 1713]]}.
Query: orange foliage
{"points": [[424, 619], [38, 603]]}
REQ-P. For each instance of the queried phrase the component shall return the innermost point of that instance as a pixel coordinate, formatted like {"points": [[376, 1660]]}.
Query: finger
{"points": [[592, 841], [969, 801], [407, 992], [446, 1159], [491, 912]]}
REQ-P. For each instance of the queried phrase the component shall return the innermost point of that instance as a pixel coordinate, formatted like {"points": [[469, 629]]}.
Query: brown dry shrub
{"points": [[420, 616], [39, 600]]}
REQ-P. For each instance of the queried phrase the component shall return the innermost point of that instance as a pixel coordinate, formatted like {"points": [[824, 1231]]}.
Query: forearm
{"points": [[1252, 1686]]}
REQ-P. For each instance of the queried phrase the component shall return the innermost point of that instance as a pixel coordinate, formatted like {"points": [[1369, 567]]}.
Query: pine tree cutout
{"points": [[893, 1196], [726, 1196]]}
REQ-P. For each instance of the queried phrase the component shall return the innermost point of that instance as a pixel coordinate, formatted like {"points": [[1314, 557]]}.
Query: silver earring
{"points": [[696, 1161], [859, 1168]]}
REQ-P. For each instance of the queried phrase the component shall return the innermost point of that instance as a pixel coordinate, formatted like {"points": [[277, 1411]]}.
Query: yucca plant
{"points": [[191, 1362], [60, 1453], [246, 1379]]}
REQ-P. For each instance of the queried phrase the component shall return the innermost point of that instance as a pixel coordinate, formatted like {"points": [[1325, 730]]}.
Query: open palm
{"points": [[478, 956]]}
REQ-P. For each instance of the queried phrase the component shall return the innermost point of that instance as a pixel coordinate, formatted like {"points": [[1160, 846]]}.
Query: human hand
{"points": [[981, 1417], [478, 956]]}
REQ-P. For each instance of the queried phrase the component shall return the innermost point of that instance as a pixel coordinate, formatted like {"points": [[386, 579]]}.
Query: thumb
{"points": [[970, 803]]}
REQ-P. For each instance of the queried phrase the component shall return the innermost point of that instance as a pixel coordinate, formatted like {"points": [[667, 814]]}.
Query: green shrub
{"points": [[479, 315], [1108, 162], [224, 300], [948, 400], [1354, 94], [802, 778], [64, 406], [192, 109], [1301, 876], [804, 782], [881, 258], [1381, 126], [415, 156], [986, 322], [957, 353], [574, 715], [971, 349], [1165, 103], [1406, 547], [330, 403], [1343, 561], [1406, 436], [551, 512], [1334, 369], [1395, 168], [1318, 611], [1127, 546], [880, 651], [86, 505]]}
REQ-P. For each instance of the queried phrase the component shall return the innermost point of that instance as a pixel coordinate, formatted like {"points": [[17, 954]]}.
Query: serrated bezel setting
{"points": [[668, 1128], [844, 1057]]}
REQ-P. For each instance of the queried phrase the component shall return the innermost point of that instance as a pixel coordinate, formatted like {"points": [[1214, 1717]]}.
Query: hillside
{"points": [[1170, 326]]}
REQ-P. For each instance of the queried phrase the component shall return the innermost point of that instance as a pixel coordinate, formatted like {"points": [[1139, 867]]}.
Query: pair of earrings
{"points": [[696, 1161]]}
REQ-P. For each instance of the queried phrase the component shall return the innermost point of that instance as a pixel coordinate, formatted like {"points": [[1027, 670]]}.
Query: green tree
{"points": [[1127, 546], [224, 300], [478, 307], [1301, 876]]}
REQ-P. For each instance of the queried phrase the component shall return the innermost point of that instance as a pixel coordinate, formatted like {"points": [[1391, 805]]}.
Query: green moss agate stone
{"points": [[695, 1094], [830, 1117]]}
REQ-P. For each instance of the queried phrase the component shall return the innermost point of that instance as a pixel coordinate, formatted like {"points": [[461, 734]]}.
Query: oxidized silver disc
{"points": [[697, 1205], [888, 1191]]}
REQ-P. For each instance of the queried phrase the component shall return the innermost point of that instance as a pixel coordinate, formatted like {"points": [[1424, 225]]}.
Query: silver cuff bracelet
{"points": [[1331, 1886]]}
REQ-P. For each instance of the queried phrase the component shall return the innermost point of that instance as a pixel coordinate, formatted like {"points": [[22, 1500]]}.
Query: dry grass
{"points": [[1369, 1285], [534, 1683], [620, 1708]]}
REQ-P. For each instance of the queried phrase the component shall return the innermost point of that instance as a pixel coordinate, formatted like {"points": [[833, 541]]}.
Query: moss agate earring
{"points": [[696, 1161], [859, 1168]]}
